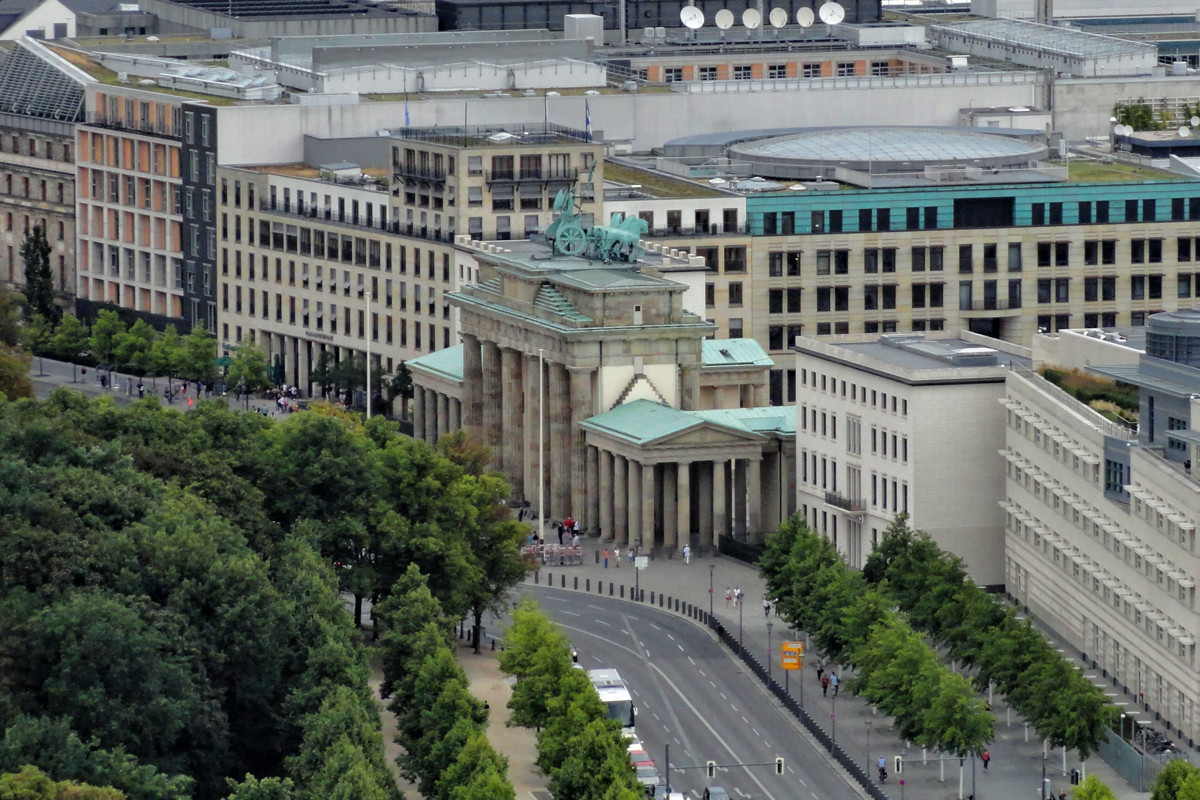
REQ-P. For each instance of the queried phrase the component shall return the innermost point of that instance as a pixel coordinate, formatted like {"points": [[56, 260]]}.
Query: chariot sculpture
{"points": [[620, 240]]}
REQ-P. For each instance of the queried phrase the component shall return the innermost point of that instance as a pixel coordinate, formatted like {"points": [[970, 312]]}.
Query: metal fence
{"points": [[1140, 770], [748, 551]]}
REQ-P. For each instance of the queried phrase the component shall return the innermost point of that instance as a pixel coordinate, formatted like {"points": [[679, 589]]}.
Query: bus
{"points": [[615, 697]]}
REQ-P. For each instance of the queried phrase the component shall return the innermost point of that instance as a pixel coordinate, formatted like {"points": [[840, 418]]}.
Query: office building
{"points": [[1101, 517], [904, 423], [41, 100]]}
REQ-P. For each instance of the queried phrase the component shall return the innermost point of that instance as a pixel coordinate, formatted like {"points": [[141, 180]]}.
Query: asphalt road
{"points": [[692, 695]]}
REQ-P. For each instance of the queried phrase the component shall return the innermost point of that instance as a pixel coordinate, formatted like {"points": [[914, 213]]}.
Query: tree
{"points": [[1092, 788], [106, 333], [36, 334], [477, 767], [1190, 790], [597, 763], [323, 372], [10, 317], [70, 338], [248, 372], [39, 281], [167, 354], [135, 345], [407, 612], [266, 789], [33, 784], [469, 453], [1171, 778], [400, 385], [199, 362], [14, 376]]}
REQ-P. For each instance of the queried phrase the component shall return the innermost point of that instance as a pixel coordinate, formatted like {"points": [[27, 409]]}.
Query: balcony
{"points": [[854, 505], [698, 231], [569, 175], [119, 124], [991, 307], [424, 173], [359, 223]]}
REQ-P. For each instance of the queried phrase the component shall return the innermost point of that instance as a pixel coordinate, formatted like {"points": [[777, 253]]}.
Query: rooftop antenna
{"points": [[779, 18], [805, 18], [692, 18], [724, 20], [831, 14], [752, 19]]}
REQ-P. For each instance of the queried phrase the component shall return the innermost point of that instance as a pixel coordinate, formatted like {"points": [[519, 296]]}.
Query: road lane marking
{"points": [[756, 733], [692, 660], [745, 720], [702, 674], [572, 613], [680, 648], [669, 636], [710, 683], [602, 622], [652, 625], [731, 705], [723, 697], [598, 608]]}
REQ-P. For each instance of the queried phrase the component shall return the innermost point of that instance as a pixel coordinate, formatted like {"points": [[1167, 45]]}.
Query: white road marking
{"points": [[602, 622], [572, 613], [657, 717], [745, 720], [669, 636], [814, 794], [702, 673], [680, 647], [692, 660], [558, 599], [756, 733], [740, 792], [598, 608], [710, 683], [731, 705], [723, 697], [652, 625], [791, 770]]}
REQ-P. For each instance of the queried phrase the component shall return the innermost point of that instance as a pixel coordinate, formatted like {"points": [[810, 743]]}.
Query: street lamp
{"points": [[769, 623], [542, 447], [711, 569], [368, 339], [833, 717], [740, 604], [868, 723], [1123, 715]]}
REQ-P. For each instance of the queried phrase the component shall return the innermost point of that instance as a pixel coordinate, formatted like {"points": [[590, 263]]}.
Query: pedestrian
{"points": [[825, 686], [606, 559], [766, 608], [985, 758], [575, 540], [737, 596], [687, 554], [728, 596], [1062, 794], [560, 534], [141, 390], [820, 668], [833, 681], [631, 556], [103, 382]]}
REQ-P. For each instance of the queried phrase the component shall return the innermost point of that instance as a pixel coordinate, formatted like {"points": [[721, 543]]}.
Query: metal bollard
{"points": [[587, 584], [669, 601], [610, 589], [597, 552], [622, 591], [660, 601], [576, 586], [652, 598], [550, 579], [537, 576], [564, 582]]}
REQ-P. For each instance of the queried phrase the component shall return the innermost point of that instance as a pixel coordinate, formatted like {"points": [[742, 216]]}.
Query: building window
{"points": [[708, 73], [776, 71], [811, 70], [735, 293], [743, 72]]}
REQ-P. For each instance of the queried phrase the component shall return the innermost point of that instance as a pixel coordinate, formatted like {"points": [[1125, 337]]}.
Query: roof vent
{"points": [[726, 353]]}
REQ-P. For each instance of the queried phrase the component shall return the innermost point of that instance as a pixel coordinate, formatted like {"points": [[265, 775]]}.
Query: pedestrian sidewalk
{"points": [[1015, 770], [519, 745]]}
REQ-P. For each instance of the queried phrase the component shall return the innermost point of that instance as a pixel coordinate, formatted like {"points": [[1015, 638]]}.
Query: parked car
{"points": [[647, 775]]}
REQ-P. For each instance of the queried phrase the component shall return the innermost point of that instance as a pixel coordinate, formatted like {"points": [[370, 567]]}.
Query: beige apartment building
{"points": [[130, 201]]}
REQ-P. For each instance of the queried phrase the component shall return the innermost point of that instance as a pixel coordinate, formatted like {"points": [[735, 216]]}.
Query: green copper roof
{"points": [[735, 353], [448, 362], [766, 420], [642, 421]]}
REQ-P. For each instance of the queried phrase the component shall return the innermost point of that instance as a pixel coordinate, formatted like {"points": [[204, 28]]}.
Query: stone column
{"points": [[558, 411], [635, 502], [581, 409], [684, 498], [455, 414], [593, 491], [606, 495], [492, 404], [739, 496], [762, 394], [771, 492], [431, 416], [285, 356], [720, 509], [472, 387], [302, 381], [790, 483], [513, 428], [647, 506], [620, 500], [754, 515], [704, 476], [444, 415], [418, 412], [689, 382], [670, 507]]}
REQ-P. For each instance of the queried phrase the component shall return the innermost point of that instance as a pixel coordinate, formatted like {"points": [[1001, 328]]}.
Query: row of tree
{"points": [[854, 623], [1178, 780], [931, 586], [169, 589], [578, 746], [440, 725]]}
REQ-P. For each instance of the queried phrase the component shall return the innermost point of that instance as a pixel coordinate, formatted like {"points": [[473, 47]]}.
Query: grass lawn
{"points": [[1095, 172], [656, 183]]}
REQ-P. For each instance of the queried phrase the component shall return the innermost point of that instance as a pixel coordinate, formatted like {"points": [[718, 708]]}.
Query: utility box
{"points": [[584, 26]]}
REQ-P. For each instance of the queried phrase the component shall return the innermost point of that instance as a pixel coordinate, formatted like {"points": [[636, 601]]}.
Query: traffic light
{"points": [[779, 766], [710, 769], [899, 766]]}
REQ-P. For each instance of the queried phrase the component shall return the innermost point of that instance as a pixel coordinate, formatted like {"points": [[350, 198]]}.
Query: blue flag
{"points": [[406, 111]]}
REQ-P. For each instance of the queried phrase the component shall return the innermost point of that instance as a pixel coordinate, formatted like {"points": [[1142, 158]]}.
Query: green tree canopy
{"points": [[1092, 788], [33, 784], [106, 335], [39, 280]]}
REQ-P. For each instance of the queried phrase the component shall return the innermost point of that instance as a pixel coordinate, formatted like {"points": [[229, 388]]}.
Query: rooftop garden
{"points": [[1116, 401]]}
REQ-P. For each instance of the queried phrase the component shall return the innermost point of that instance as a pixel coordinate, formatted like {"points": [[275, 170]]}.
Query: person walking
{"points": [[687, 554], [737, 596], [766, 608], [985, 758], [825, 686], [882, 769], [632, 556], [820, 668], [606, 559], [833, 681], [728, 596]]}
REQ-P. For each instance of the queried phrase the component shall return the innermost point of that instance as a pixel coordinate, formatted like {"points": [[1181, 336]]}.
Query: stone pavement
{"points": [[1015, 770]]}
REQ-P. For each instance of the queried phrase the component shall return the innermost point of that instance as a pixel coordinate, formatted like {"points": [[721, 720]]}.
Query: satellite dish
{"points": [[805, 17], [832, 13], [724, 19], [1195, 122], [751, 18], [1183, 133], [1129, 130], [778, 17], [691, 17]]}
